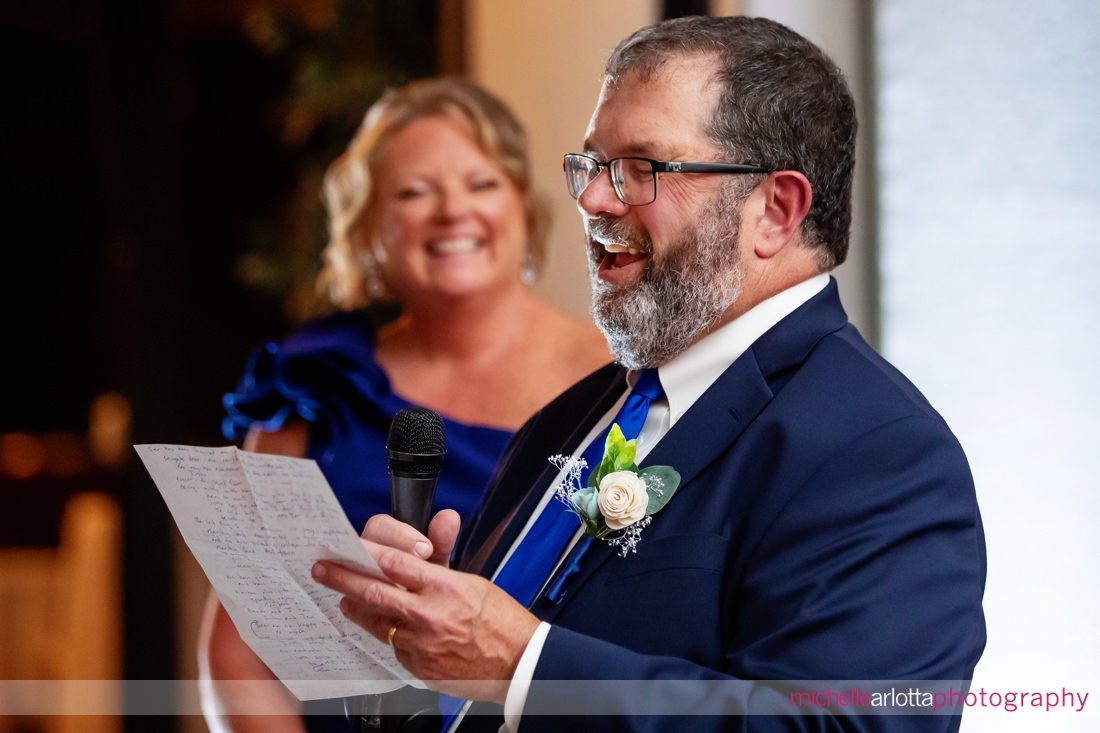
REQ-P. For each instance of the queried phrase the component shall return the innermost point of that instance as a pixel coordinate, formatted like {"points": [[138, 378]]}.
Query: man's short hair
{"points": [[784, 104]]}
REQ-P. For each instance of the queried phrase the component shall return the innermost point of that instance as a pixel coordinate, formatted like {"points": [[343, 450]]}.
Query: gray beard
{"points": [[682, 294]]}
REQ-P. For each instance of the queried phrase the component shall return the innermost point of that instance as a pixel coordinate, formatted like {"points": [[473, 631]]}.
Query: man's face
{"points": [[681, 273]]}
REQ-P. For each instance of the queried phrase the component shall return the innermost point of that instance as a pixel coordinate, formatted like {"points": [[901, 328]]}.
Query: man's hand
{"points": [[384, 531], [456, 631]]}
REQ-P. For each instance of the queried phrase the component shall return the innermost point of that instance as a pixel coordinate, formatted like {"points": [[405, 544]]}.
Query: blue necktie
{"points": [[531, 563]]}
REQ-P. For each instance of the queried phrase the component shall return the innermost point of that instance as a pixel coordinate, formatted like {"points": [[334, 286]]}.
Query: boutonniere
{"points": [[620, 498]]}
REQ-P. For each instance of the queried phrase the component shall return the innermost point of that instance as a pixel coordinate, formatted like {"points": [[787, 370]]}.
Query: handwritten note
{"points": [[256, 523]]}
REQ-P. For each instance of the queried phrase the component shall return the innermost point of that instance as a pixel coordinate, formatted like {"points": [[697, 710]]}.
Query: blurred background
{"points": [[162, 161]]}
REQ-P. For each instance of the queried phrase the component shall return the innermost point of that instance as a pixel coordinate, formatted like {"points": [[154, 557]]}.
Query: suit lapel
{"points": [[715, 421], [726, 409], [734, 400]]}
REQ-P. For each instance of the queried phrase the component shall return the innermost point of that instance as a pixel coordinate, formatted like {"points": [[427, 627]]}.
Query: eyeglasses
{"points": [[635, 179]]}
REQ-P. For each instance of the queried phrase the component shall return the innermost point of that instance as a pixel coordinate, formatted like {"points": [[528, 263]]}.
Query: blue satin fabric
{"points": [[325, 373]]}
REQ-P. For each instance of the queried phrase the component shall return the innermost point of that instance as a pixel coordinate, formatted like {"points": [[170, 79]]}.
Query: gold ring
{"points": [[393, 631]]}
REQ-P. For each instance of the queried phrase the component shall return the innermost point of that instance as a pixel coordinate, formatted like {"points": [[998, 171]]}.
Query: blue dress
{"points": [[325, 373]]}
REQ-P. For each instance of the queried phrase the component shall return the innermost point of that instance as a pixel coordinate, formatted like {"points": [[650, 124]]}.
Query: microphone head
{"points": [[416, 442]]}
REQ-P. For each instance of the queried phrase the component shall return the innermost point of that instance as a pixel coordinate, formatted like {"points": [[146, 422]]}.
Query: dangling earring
{"points": [[529, 272], [372, 280]]}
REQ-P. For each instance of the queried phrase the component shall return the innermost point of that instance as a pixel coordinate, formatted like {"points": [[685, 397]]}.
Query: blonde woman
{"points": [[431, 208]]}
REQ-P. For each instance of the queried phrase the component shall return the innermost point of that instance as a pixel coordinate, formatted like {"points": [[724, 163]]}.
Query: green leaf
{"points": [[618, 452], [625, 459], [618, 455], [615, 439], [661, 484]]}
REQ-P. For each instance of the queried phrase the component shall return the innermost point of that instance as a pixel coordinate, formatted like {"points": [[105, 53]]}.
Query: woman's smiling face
{"points": [[448, 219]]}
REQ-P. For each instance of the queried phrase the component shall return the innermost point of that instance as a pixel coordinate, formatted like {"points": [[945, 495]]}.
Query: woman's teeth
{"points": [[454, 246]]}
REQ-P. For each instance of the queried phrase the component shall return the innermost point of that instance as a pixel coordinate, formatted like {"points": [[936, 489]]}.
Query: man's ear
{"points": [[786, 201]]}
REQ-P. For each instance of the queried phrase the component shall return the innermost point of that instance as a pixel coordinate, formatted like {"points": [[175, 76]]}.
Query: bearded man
{"points": [[820, 544]]}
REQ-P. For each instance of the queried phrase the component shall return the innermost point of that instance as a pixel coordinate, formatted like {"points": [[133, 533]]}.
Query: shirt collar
{"points": [[687, 376]]}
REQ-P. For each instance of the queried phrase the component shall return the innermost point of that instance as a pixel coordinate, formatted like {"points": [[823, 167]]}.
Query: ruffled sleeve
{"points": [[324, 374]]}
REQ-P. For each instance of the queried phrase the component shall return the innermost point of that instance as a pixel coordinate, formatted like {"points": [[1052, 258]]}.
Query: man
{"points": [[825, 528]]}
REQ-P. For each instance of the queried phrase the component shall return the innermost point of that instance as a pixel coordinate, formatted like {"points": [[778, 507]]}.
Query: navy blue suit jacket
{"points": [[825, 528]]}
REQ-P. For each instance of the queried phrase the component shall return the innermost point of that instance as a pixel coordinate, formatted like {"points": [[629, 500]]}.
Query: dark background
{"points": [[160, 160]]}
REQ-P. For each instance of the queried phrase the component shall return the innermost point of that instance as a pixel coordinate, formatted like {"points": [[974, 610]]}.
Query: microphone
{"points": [[415, 446]]}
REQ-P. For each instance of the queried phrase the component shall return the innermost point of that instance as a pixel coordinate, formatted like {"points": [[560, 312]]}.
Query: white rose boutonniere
{"points": [[620, 498]]}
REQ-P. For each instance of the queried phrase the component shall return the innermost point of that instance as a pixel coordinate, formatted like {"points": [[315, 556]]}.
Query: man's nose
{"points": [[599, 197]]}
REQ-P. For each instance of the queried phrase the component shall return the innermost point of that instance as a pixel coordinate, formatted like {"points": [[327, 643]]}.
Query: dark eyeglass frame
{"points": [[658, 166]]}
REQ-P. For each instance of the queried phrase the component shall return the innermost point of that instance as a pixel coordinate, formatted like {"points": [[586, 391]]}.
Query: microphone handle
{"points": [[411, 499], [407, 709]]}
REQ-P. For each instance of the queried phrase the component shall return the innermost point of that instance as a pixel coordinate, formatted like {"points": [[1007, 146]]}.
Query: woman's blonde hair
{"points": [[347, 271]]}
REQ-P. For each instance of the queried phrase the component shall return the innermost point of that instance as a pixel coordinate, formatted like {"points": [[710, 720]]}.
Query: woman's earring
{"points": [[368, 266], [529, 272]]}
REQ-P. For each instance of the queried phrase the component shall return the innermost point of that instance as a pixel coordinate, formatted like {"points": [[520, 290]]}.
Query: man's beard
{"points": [[683, 293]]}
